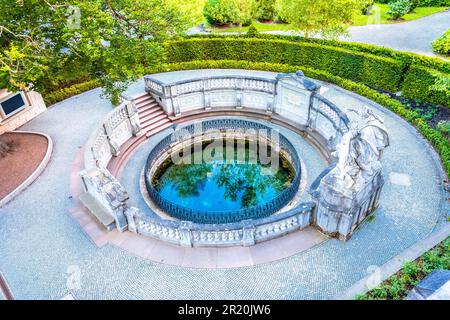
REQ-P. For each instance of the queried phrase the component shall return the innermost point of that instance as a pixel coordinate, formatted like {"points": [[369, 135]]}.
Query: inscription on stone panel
{"points": [[191, 101], [223, 99]]}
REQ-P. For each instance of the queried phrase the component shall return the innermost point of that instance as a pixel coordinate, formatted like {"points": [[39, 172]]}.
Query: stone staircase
{"points": [[151, 115]]}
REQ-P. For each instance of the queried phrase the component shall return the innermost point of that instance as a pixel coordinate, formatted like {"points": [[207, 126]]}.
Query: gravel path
{"points": [[45, 255]]}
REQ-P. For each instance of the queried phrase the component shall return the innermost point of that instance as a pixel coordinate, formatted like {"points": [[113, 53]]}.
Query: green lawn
{"points": [[378, 16]]}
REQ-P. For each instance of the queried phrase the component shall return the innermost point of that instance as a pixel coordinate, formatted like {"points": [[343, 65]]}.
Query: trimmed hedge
{"points": [[417, 84], [442, 44], [61, 94], [403, 75], [380, 72], [440, 143]]}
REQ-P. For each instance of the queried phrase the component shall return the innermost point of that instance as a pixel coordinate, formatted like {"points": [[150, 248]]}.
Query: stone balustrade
{"points": [[342, 198], [118, 127]]}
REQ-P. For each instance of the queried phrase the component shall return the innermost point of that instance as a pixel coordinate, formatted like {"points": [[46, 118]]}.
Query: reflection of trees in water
{"points": [[188, 179], [245, 179], [236, 178]]}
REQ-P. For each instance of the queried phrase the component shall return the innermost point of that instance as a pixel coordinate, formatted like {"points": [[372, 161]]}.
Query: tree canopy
{"points": [[112, 40], [324, 17]]}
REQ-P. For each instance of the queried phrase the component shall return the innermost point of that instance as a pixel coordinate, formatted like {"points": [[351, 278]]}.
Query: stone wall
{"points": [[35, 106]]}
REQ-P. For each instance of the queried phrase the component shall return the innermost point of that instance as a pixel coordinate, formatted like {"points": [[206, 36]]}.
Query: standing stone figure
{"points": [[359, 152], [347, 194]]}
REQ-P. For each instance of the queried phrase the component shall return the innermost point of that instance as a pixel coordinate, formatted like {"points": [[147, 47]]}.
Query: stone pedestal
{"points": [[339, 211]]}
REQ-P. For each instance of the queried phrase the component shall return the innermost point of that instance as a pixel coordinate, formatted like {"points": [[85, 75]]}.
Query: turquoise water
{"points": [[223, 183]]}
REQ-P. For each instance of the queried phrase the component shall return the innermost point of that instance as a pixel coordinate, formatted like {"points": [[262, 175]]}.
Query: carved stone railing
{"points": [[292, 96], [119, 126], [295, 99], [243, 233], [209, 92]]}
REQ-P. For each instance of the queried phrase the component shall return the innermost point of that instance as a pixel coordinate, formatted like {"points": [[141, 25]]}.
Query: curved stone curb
{"points": [[5, 290], [395, 264], [36, 173]]}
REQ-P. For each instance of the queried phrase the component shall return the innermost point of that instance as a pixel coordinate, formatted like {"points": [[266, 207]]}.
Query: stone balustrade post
{"points": [[248, 236]]}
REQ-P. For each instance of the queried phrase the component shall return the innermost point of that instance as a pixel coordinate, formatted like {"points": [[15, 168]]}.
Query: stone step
{"points": [[149, 124], [153, 130], [158, 129], [146, 111], [157, 115], [144, 102], [147, 105], [142, 97], [153, 119]]}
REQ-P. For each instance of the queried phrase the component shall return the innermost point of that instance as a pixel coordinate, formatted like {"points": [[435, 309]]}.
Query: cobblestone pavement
{"points": [[45, 255]]}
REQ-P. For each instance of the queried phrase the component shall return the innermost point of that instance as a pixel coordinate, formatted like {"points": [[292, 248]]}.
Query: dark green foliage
{"points": [[418, 83], [252, 31], [264, 10], [369, 69], [64, 93], [434, 3], [420, 86]]}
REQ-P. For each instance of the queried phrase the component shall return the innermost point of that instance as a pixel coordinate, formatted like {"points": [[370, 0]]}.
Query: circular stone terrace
{"points": [[45, 233]]}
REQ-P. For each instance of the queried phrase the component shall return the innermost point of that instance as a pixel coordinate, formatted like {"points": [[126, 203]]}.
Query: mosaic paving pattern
{"points": [[44, 253]]}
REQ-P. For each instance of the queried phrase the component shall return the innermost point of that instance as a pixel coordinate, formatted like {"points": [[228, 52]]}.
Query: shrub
{"points": [[367, 6], [252, 31], [444, 127], [265, 10], [218, 12], [442, 44], [438, 69], [398, 8], [61, 94], [434, 3], [7, 146], [413, 4]]}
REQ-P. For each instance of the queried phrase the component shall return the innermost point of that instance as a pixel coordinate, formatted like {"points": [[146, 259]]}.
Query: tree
{"points": [[245, 12], [265, 10], [112, 40], [218, 12], [325, 17]]}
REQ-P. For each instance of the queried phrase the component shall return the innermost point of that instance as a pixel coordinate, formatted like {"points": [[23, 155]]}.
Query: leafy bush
{"points": [[265, 10], [252, 31], [64, 93], [218, 12], [367, 6], [444, 127], [398, 8], [413, 4], [434, 3], [442, 44]]}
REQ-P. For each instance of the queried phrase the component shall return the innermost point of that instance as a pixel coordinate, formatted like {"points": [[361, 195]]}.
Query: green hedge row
{"points": [[440, 143], [380, 72], [381, 68], [61, 94], [417, 83]]}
